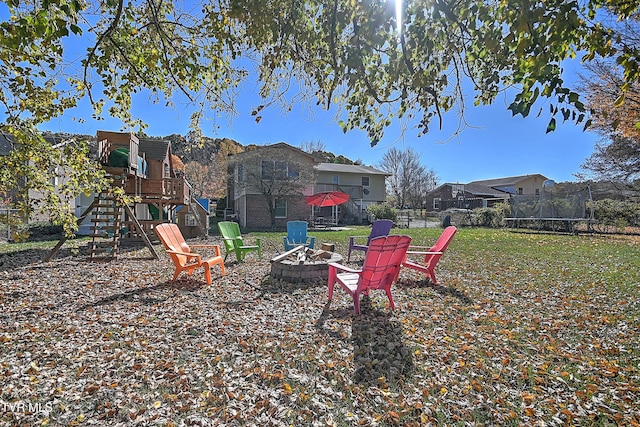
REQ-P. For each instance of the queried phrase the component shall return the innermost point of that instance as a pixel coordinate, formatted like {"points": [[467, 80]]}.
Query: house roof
{"points": [[482, 190], [497, 187], [471, 188], [343, 168], [56, 141], [154, 149], [509, 180], [252, 148]]}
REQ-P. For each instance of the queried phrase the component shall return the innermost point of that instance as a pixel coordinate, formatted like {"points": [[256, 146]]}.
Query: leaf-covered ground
{"points": [[523, 329]]}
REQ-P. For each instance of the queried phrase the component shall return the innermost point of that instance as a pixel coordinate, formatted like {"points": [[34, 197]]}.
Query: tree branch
{"points": [[103, 36]]}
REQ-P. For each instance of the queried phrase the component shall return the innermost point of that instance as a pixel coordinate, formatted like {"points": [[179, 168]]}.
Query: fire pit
{"points": [[301, 264]]}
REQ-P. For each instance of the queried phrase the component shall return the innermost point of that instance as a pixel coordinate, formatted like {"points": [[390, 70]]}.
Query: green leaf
{"points": [[552, 125]]}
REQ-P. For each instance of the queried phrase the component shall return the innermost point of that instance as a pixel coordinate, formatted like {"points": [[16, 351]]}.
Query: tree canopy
{"points": [[375, 62], [615, 110]]}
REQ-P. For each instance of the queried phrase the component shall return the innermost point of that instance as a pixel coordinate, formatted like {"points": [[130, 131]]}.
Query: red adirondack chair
{"points": [[181, 255], [431, 256], [379, 271]]}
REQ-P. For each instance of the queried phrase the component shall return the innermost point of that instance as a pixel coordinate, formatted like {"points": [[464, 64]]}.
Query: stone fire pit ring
{"points": [[303, 265]]}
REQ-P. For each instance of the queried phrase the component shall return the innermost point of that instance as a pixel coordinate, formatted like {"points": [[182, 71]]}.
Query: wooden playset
{"points": [[144, 169]]}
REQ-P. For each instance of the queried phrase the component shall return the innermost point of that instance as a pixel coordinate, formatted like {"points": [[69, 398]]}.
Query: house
{"points": [[483, 193], [364, 184], [6, 143], [59, 177], [267, 187]]}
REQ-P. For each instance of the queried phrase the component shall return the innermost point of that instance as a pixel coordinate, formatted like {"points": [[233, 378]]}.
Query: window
{"points": [[436, 203], [292, 172], [537, 191], [190, 220], [365, 181], [54, 180], [240, 173], [335, 179], [267, 169], [278, 170], [520, 190], [281, 208]]}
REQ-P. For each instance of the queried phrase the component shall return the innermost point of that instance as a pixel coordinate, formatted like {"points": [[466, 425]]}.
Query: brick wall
{"points": [[258, 212]]}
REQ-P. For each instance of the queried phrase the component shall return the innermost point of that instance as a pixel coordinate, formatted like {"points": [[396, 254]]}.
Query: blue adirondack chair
{"points": [[297, 235]]}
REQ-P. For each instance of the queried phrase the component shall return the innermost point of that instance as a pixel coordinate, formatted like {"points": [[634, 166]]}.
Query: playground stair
{"points": [[105, 228]]}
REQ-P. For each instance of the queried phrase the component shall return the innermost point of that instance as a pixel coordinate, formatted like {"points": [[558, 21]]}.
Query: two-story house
{"points": [[364, 184], [267, 186], [483, 193]]}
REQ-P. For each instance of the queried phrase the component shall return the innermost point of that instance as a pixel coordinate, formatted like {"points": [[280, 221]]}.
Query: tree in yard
{"points": [[409, 181], [39, 176], [376, 63], [615, 106], [273, 173], [424, 181], [313, 146], [206, 179]]}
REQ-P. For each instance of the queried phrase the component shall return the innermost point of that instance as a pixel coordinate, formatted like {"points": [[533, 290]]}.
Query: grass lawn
{"points": [[523, 329]]}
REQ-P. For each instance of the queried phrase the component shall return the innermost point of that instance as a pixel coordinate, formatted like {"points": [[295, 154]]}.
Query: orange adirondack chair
{"points": [[379, 271], [181, 255], [432, 255]]}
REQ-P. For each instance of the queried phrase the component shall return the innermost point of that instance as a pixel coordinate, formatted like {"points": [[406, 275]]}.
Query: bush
{"points": [[43, 230], [617, 213], [383, 211], [487, 217]]}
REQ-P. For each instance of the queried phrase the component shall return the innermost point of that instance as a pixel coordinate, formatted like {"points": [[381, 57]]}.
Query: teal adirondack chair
{"points": [[297, 235], [234, 243]]}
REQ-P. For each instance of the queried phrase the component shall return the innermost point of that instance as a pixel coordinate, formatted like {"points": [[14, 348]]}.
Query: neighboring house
{"points": [[6, 143], [483, 193], [251, 186], [266, 185], [58, 179]]}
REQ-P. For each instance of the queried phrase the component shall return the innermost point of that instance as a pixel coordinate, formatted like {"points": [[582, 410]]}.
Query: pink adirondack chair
{"points": [[181, 255], [380, 269], [380, 227], [431, 256]]}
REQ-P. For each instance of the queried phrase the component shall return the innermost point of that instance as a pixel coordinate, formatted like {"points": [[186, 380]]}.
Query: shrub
{"points": [[383, 211], [487, 217], [39, 230], [618, 213]]}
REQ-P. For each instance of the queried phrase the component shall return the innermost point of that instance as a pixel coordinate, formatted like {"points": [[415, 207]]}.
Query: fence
{"points": [[8, 222]]}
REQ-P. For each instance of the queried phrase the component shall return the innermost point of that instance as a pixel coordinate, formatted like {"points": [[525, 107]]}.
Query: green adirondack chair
{"points": [[233, 242]]}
